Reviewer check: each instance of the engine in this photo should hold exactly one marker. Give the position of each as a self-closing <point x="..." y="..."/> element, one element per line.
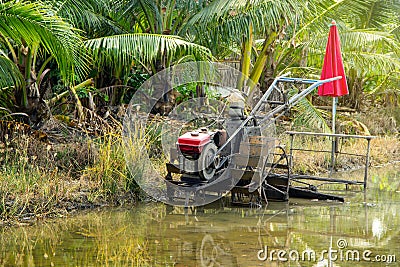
<point x="191" y="144"/>
<point x="203" y="153"/>
<point x="198" y="151"/>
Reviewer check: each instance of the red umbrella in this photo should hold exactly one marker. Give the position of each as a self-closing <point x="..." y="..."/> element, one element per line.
<point x="333" y="67"/>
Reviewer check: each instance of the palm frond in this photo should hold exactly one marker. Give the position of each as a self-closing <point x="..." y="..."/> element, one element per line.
<point x="145" y="12"/>
<point x="390" y="83"/>
<point x="123" y="50"/>
<point x="223" y="24"/>
<point x="10" y="76"/>
<point x="371" y="52"/>
<point x="321" y="12"/>
<point x="310" y="117"/>
<point x="91" y="16"/>
<point x="36" y="24"/>
<point x="374" y="63"/>
<point x="379" y="14"/>
<point x="231" y="18"/>
<point x="357" y="39"/>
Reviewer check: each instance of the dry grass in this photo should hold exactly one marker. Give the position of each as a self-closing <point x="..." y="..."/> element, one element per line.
<point x="38" y="179"/>
<point x="41" y="179"/>
<point x="383" y="150"/>
<point x="381" y="120"/>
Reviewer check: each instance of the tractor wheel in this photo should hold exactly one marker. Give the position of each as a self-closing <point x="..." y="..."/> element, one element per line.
<point x="206" y="162"/>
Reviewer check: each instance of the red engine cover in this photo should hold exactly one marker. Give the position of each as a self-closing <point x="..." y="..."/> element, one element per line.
<point x="193" y="142"/>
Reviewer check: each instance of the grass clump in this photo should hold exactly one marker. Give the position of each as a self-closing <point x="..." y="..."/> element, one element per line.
<point x="50" y="178"/>
<point x="29" y="184"/>
<point x="109" y="171"/>
<point x="39" y="179"/>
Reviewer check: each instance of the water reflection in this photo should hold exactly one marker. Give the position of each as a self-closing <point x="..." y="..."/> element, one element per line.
<point x="158" y="235"/>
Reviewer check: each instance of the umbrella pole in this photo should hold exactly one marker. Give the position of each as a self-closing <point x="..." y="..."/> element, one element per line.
<point x="333" y="152"/>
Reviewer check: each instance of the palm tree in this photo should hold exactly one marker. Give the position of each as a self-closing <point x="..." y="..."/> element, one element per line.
<point x="376" y="67"/>
<point x="31" y="35"/>
<point x="216" y="25"/>
<point x="123" y="35"/>
<point x="293" y="35"/>
<point x="235" y="24"/>
<point x="269" y="37"/>
<point x="370" y="54"/>
<point x="34" y="34"/>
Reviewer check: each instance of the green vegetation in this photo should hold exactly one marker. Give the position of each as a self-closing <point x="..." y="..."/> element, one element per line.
<point x="68" y="69"/>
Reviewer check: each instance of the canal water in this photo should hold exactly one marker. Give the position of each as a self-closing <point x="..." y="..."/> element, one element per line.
<point x="363" y="231"/>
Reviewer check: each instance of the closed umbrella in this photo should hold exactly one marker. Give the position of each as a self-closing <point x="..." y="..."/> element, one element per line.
<point x="333" y="67"/>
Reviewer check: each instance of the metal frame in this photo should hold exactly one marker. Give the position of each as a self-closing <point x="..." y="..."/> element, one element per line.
<point x="272" y="115"/>
<point x="343" y="136"/>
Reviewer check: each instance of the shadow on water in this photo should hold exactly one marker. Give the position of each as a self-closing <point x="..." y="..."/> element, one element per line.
<point x="153" y="234"/>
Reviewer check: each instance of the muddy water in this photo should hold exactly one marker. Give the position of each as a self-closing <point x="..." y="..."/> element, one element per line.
<point x="364" y="231"/>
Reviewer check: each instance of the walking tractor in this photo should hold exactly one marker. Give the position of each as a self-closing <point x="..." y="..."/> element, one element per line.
<point x="244" y="155"/>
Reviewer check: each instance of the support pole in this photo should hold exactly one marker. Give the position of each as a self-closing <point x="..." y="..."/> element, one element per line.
<point x="334" y="105"/>
<point x="291" y="150"/>
<point x="367" y="164"/>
